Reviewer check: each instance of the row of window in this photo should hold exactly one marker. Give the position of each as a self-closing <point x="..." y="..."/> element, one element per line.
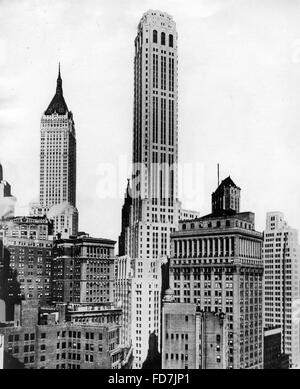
<point x="163" y="38"/>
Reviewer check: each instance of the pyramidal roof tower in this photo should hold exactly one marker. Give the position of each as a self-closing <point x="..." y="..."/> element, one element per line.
<point x="58" y="164"/>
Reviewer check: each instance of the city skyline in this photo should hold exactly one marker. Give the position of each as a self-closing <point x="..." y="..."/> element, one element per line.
<point x="101" y="138"/>
<point x="207" y="270"/>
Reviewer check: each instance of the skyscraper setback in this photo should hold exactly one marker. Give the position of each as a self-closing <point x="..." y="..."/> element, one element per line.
<point x="58" y="165"/>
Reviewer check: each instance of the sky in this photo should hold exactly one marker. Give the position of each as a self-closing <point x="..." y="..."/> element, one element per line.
<point x="239" y="99"/>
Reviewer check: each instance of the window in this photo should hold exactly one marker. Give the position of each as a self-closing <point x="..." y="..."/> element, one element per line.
<point x="43" y="335"/>
<point x="154" y="36"/>
<point x="163" y="38"/>
<point x="170" y="40"/>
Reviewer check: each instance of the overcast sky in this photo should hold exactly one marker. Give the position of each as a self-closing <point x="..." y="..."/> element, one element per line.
<point x="239" y="97"/>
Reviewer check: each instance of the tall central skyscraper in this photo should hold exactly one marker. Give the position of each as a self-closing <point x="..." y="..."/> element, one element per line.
<point x="155" y="140"/>
<point x="151" y="215"/>
<point x="58" y="165"/>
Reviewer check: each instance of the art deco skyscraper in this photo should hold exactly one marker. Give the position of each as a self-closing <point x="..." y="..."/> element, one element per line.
<point x="155" y="143"/>
<point x="154" y="207"/>
<point x="58" y="164"/>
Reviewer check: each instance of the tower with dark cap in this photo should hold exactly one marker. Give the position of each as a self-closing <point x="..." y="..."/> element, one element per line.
<point x="58" y="163"/>
<point x="226" y="198"/>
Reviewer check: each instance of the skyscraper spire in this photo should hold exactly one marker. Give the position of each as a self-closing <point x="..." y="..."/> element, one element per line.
<point x="58" y="104"/>
<point x="59" y="90"/>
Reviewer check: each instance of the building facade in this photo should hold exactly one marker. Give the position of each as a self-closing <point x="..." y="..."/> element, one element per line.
<point x="124" y="238"/>
<point x="1" y="351"/>
<point x="187" y="214"/>
<point x="273" y="357"/>
<point x="123" y="296"/>
<point x="83" y="270"/>
<point x="7" y="200"/>
<point x="191" y="338"/>
<point x="29" y="242"/>
<point x="281" y="255"/>
<point x="216" y="262"/>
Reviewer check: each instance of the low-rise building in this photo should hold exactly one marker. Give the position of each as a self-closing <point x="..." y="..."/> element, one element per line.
<point x="192" y="338"/>
<point x="51" y="342"/>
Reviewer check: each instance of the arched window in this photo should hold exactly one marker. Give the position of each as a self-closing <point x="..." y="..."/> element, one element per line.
<point x="154" y="36"/>
<point x="163" y="38"/>
<point x="170" y="40"/>
<point x="184" y="226"/>
<point x="192" y="226"/>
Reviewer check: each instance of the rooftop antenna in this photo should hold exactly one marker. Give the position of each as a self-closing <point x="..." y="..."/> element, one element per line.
<point x="218" y="174"/>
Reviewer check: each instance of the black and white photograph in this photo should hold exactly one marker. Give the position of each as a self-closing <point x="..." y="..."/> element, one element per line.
<point x="149" y="194"/>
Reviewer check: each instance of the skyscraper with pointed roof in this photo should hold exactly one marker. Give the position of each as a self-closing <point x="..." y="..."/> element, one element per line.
<point x="58" y="164"/>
